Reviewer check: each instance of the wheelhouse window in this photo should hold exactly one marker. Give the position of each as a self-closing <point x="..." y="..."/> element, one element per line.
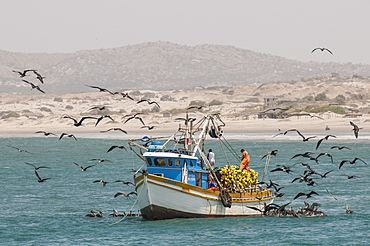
<point x="160" y="162"/>
<point x="149" y="161"/>
<point x="169" y="162"/>
<point x="177" y="162"/>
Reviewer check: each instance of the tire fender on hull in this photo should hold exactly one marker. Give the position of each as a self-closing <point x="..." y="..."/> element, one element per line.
<point x="225" y="198"/>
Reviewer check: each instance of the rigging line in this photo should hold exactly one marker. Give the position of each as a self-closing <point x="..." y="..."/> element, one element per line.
<point x="219" y="139"/>
<point x="223" y="150"/>
<point x="140" y="156"/>
<point x="132" y="159"/>
<point x="230" y="148"/>
<point x="137" y="198"/>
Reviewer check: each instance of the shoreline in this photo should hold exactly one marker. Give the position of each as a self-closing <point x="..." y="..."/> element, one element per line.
<point x="251" y="129"/>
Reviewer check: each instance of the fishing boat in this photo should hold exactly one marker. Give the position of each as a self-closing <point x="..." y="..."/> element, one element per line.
<point x="175" y="178"/>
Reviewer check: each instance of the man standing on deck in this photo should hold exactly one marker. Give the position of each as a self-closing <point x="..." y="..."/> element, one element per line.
<point x="211" y="157"/>
<point x="244" y="164"/>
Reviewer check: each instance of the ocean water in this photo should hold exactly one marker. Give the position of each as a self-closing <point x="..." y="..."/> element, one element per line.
<point x="53" y="212"/>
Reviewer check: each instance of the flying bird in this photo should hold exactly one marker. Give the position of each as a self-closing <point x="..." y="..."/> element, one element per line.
<point x="340" y="147"/>
<point x="324" y="175"/>
<point x="309" y="170"/>
<point x="280" y="133"/>
<point x="83" y="168"/>
<point x="36" y="168"/>
<point x="78" y="123"/>
<point x="130" y="115"/>
<point x="282" y="168"/>
<point x="306" y="154"/>
<point x="327" y="154"/>
<point x="102" y="117"/>
<point x="124" y="194"/>
<point x="194" y="106"/>
<point x="38" y="76"/>
<point x="309" y="181"/>
<point x="351" y="162"/>
<point x="331" y="195"/>
<point x="135" y="117"/>
<point x="324" y="138"/>
<point x="115" y="146"/>
<point x="115" y="129"/>
<point x="124" y="182"/>
<point x="46" y="133"/>
<point x="149" y="102"/>
<point x="68" y="135"/>
<point x="300" y="134"/>
<point x="40" y="180"/>
<point x="272" y="184"/>
<point x="100" y="160"/>
<point x="273" y="152"/>
<point x="351" y="176"/>
<point x="101" y="181"/>
<point x="101" y="89"/>
<point x="97" y="107"/>
<point x="355" y="129"/>
<point x="33" y="86"/>
<point x="124" y="95"/>
<point x="19" y="150"/>
<point x="308" y="195"/>
<point x="322" y="49"/>
<point x="23" y="74"/>
<point x="149" y="127"/>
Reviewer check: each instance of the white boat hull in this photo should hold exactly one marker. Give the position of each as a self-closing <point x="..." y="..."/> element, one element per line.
<point x="162" y="198"/>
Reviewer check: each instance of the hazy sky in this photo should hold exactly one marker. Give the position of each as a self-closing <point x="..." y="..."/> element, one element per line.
<point x="288" y="28"/>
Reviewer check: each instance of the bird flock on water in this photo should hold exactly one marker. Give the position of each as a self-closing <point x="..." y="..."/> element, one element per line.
<point x="310" y="176"/>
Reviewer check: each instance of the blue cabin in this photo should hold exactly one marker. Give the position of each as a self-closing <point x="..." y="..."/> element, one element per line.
<point x="177" y="164"/>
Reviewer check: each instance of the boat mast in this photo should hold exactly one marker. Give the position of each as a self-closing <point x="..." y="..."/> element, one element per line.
<point x="202" y="134"/>
<point x="186" y="131"/>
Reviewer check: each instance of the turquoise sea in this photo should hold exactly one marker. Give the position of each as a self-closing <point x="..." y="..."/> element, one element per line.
<point x="53" y="212"/>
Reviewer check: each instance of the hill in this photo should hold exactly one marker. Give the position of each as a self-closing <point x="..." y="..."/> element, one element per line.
<point x="160" y="66"/>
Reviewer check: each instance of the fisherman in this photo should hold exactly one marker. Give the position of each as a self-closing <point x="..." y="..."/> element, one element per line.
<point x="211" y="185"/>
<point x="211" y="157"/>
<point x="244" y="164"/>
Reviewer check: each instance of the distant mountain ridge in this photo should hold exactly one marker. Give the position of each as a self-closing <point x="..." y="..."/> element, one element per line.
<point x="159" y="66"/>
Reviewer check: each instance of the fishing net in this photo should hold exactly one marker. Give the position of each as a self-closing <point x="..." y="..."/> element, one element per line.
<point x="235" y="181"/>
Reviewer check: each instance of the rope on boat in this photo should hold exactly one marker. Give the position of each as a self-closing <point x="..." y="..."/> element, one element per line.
<point x="126" y="214"/>
<point x="230" y="148"/>
<point x="223" y="150"/>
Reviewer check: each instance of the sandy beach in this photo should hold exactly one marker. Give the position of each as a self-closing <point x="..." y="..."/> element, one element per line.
<point x="26" y="114"/>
